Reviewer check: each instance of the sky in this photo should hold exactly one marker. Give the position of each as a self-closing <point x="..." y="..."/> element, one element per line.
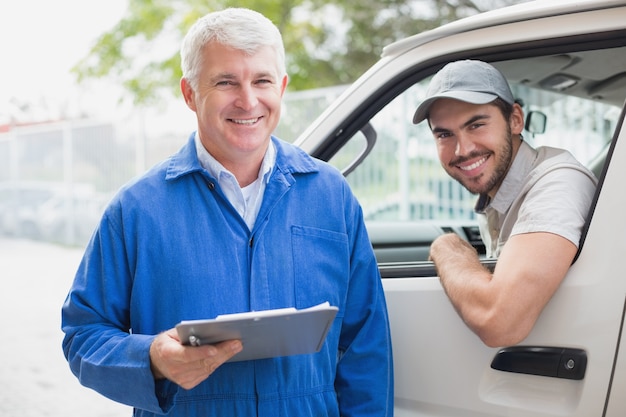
<point x="40" y="41"/>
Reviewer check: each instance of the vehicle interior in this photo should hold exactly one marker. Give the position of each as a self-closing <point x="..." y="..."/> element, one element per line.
<point x="572" y="97"/>
<point x="575" y="74"/>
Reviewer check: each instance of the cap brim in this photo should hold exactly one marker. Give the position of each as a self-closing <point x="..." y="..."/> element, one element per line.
<point x="473" y="97"/>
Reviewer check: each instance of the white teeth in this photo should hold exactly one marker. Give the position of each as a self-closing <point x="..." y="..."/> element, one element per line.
<point x="245" y="122"/>
<point x="474" y="165"/>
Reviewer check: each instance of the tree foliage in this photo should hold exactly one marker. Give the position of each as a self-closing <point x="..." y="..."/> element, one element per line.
<point x="326" y="43"/>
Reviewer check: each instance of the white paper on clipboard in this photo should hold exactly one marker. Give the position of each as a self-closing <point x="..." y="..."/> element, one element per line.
<point x="264" y="334"/>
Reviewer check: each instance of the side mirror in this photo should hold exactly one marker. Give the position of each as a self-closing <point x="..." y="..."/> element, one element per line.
<point x="536" y="122"/>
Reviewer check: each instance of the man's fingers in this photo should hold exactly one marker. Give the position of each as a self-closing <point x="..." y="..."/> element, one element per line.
<point x="188" y="365"/>
<point x="219" y="352"/>
<point x="228" y="348"/>
<point x="210" y="357"/>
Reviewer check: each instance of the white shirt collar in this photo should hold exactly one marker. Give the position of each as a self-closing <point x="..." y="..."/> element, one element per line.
<point x="216" y="169"/>
<point x="246" y="201"/>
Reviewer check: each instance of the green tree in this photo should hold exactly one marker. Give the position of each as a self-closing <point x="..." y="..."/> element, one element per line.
<point x="326" y="44"/>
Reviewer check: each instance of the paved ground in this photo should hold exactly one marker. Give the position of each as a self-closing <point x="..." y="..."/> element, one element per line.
<point x="35" y="380"/>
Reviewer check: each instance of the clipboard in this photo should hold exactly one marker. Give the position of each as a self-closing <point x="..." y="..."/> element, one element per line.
<point x="266" y="333"/>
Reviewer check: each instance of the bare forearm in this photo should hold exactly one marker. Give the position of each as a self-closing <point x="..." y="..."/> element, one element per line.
<point x="465" y="281"/>
<point x="454" y="257"/>
<point x="502" y="308"/>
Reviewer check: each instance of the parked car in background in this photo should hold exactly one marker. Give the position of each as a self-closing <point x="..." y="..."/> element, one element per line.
<point x="566" y="62"/>
<point x="70" y="219"/>
<point x="50" y="211"/>
<point x="19" y="200"/>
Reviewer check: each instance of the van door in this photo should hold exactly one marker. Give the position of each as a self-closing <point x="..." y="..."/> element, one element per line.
<point x="569" y="364"/>
<point x="564" y="367"/>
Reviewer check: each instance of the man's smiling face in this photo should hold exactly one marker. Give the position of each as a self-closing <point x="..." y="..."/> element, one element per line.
<point x="475" y="142"/>
<point x="237" y="102"/>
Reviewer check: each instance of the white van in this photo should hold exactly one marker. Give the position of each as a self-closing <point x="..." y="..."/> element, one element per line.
<point x="566" y="62"/>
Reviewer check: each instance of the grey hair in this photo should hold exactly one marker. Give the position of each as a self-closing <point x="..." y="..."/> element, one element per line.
<point x="237" y="28"/>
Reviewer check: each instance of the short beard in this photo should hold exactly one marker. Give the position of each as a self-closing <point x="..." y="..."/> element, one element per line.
<point x="502" y="166"/>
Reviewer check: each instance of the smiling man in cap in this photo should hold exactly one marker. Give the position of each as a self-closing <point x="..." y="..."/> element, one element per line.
<point x="532" y="203"/>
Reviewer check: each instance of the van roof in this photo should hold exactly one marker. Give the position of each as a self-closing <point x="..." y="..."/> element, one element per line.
<point x="511" y="14"/>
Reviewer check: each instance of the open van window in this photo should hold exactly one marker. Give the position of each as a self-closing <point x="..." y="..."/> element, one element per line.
<point x="400" y="182"/>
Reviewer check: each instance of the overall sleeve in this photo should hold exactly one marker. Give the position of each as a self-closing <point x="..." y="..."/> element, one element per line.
<point x="364" y="382"/>
<point x="99" y="344"/>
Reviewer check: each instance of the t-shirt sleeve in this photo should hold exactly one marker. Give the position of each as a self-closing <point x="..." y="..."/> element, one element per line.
<point x="557" y="203"/>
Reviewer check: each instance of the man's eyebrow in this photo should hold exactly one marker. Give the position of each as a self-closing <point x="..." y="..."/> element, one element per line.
<point x="266" y="74"/>
<point x="476" y="118"/>
<point x="469" y="122"/>
<point x="231" y="76"/>
<point x="439" y="130"/>
<point x="223" y="76"/>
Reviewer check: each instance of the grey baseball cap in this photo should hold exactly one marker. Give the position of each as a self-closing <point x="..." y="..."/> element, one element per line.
<point x="468" y="80"/>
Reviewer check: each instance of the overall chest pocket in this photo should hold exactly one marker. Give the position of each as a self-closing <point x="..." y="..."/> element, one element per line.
<point x="321" y="266"/>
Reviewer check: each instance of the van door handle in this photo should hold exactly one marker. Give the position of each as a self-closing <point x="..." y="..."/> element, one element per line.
<point x="553" y="362"/>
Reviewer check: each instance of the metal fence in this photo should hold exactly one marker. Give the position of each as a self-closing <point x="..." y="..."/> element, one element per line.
<point x="56" y="178"/>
